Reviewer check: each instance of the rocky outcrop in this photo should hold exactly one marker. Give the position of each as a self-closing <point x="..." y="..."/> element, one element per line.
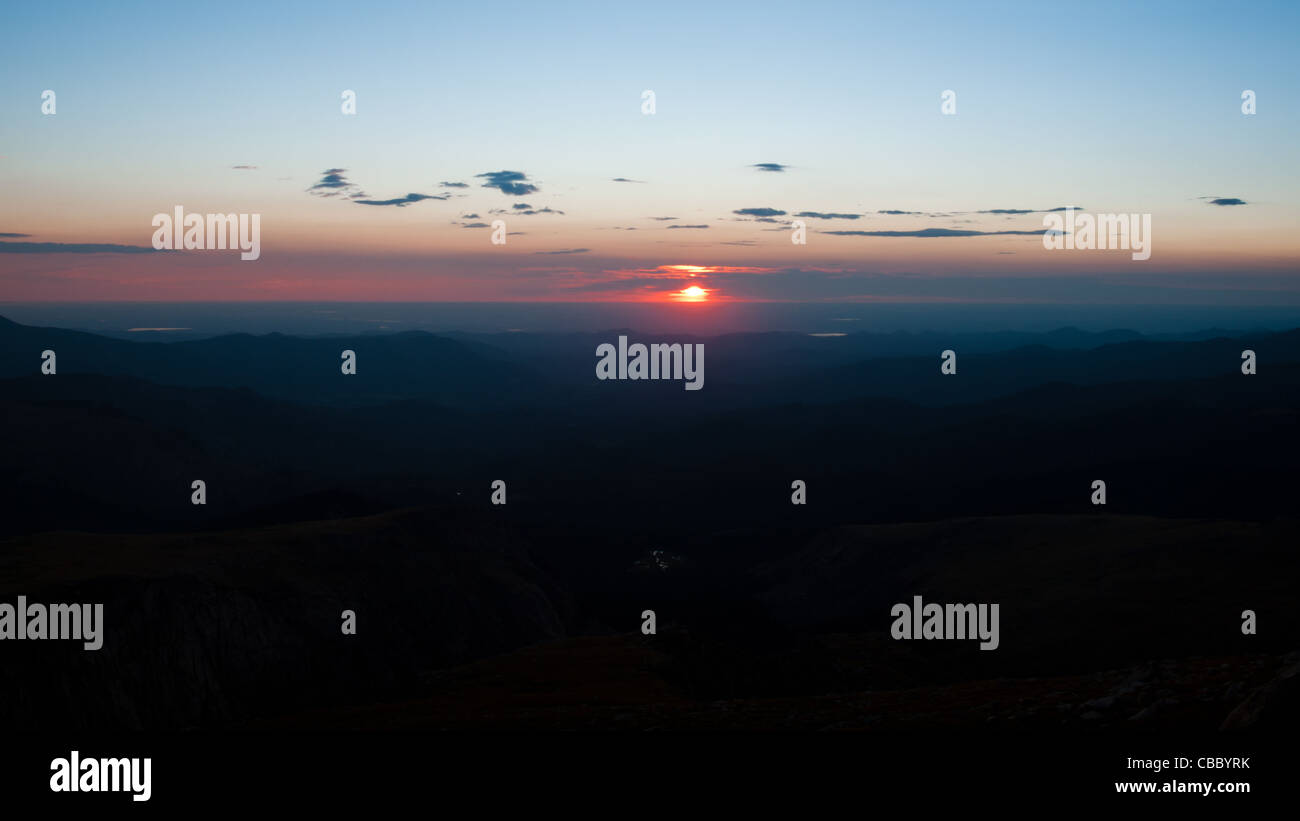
<point x="1273" y="707"/>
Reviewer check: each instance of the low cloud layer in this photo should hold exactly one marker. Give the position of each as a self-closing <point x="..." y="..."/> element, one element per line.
<point x="74" y="248"/>
<point x="933" y="232"/>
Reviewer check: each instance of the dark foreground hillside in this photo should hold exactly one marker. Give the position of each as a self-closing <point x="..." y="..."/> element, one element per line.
<point x="463" y="622"/>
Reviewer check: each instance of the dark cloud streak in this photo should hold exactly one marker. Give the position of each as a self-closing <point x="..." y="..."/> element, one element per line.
<point x="933" y="232"/>
<point x="401" y="202"/>
<point x="825" y="215"/>
<point x="75" y="248"/>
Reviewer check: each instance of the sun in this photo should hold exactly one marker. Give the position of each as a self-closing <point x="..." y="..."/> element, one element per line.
<point x="692" y="293"/>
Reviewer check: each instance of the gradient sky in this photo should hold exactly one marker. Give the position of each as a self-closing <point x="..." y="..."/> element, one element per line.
<point x="1113" y="107"/>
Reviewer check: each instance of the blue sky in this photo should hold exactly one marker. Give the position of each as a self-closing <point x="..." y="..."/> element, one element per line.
<point x="1109" y="106"/>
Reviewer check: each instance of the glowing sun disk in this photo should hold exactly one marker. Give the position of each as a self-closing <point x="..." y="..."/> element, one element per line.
<point x="691" y="293"/>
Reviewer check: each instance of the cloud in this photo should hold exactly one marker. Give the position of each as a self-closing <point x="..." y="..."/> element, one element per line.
<point x="333" y="183"/>
<point x="996" y="211"/>
<point x="244" y="167"/>
<point x="401" y="202"/>
<point x="1000" y="211"/>
<point x="1224" y="201"/>
<point x="820" y="215"/>
<point x="514" y="183"/>
<point x="686" y="226"/>
<point x="73" y="248"/>
<point x="470" y="216"/>
<point x="769" y="166"/>
<point x="625" y="179"/>
<point x="662" y="278"/>
<point x="474" y="225"/>
<point x="663" y="219"/>
<point x="564" y="251"/>
<point x="759" y="212"/>
<point x="14" y="235"/>
<point x="523" y="209"/>
<point x="933" y="232"/>
<point x="454" y="184"/>
<point x="1018" y="211"/>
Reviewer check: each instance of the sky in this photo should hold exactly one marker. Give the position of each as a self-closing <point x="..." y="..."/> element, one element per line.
<point x="534" y="114"/>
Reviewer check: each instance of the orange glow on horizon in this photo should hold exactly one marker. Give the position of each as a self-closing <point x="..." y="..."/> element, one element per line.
<point x="691" y="293"/>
